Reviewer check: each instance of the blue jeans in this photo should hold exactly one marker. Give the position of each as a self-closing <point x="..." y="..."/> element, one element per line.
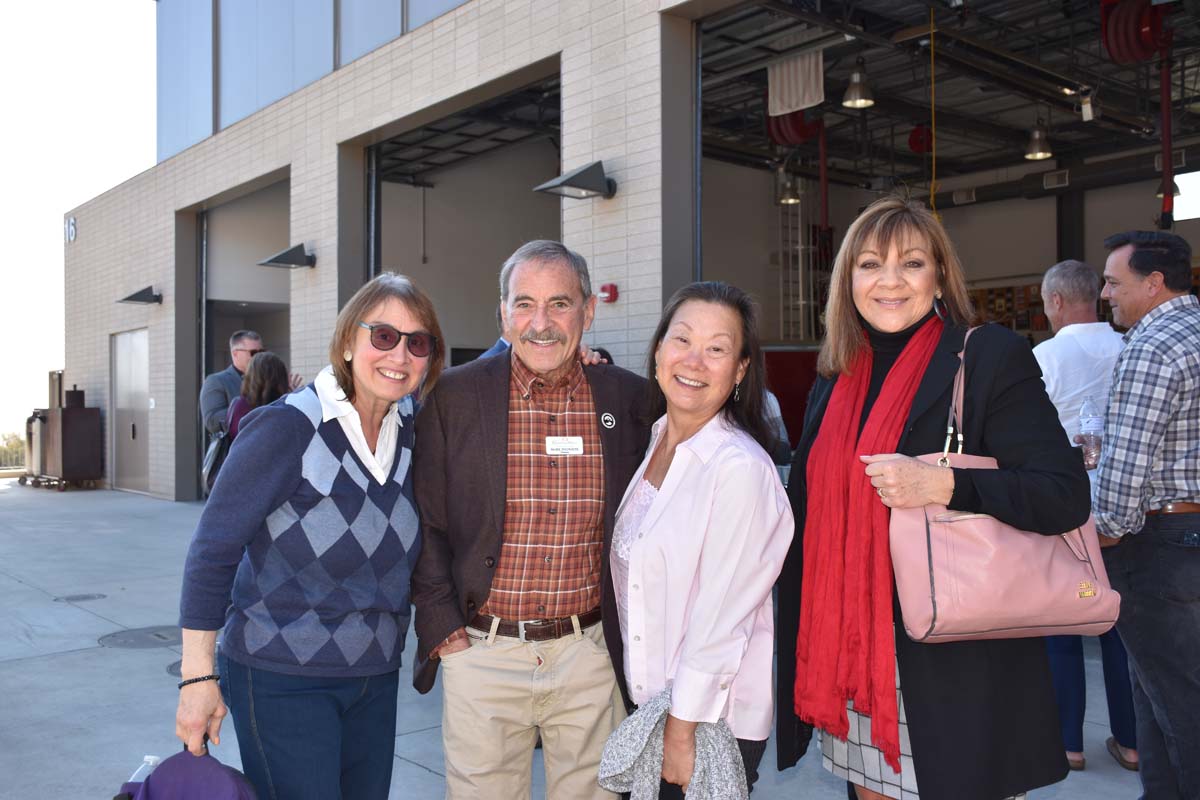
<point x="1157" y="572"/>
<point x="1070" y="688"/>
<point x="305" y="738"/>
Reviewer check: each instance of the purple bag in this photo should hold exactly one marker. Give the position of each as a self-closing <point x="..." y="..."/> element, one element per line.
<point x="184" y="776"/>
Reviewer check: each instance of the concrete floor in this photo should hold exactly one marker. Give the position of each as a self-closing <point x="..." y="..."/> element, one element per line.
<point x="80" y="716"/>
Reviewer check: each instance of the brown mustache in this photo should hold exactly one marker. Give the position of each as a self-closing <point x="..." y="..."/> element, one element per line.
<point x="544" y="336"/>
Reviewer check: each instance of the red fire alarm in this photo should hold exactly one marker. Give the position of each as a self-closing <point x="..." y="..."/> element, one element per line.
<point x="608" y="293"/>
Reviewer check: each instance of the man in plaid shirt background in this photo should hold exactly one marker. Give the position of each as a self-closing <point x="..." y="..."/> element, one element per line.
<point x="1147" y="500"/>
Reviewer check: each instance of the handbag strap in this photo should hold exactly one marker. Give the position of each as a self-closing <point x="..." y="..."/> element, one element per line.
<point x="954" y="417"/>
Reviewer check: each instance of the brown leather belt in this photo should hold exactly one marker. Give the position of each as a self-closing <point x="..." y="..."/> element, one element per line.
<point x="1176" y="508"/>
<point x="535" y="630"/>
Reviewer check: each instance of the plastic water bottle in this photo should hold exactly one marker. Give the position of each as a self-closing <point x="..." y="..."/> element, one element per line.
<point x="141" y="773"/>
<point x="1091" y="431"/>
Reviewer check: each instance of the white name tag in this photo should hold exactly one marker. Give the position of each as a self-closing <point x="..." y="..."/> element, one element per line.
<point x="564" y="445"/>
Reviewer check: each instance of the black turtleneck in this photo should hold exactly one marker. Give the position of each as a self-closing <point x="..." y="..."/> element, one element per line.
<point x="886" y="348"/>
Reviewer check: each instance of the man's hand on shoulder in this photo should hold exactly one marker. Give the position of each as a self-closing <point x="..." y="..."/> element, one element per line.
<point x="590" y="357"/>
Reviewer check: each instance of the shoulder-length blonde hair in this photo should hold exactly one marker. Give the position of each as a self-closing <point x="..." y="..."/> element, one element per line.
<point x="375" y="292"/>
<point x="887" y="221"/>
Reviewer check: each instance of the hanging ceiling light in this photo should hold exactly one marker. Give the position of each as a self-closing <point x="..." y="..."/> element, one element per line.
<point x="788" y="196"/>
<point x="1174" y="190"/>
<point x="1038" y="147"/>
<point x="858" y="93"/>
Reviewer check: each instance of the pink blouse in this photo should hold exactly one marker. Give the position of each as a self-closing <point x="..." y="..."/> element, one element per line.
<point x="698" y="577"/>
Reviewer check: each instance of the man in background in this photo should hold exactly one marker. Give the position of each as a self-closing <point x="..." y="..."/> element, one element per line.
<point x="219" y="389"/>
<point x="1078" y="363"/>
<point x="1147" y="499"/>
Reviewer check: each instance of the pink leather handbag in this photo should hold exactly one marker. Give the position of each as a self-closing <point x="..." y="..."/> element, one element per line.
<point x="970" y="576"/>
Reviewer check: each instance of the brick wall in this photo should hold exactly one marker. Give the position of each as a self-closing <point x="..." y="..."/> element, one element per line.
<point x="609" y="52"/>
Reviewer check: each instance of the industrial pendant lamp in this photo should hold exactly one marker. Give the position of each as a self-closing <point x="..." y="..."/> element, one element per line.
<point x="858" y="93"/>
<point x="1038" y="147"/>
<point x="1174" y="190"/>
<point x="788" y="196"/>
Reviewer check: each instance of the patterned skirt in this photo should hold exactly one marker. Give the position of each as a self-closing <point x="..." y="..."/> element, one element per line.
<point x="860" y="762"/>
<point x="857" y="760"/>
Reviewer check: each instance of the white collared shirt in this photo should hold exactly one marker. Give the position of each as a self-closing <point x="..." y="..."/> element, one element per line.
<point x="334" y="405"/>
<point x="697" y="583"/>
<point x="1076" y="363"/>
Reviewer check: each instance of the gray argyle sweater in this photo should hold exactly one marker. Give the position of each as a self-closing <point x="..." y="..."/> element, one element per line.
<point x="315" y="555"/>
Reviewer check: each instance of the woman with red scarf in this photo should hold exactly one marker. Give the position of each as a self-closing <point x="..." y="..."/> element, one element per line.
<point x="899" y="719"/>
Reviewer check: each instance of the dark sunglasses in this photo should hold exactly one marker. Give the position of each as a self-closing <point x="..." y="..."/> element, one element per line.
<point x="386" y="337"/>
<point x="252" y="353"/>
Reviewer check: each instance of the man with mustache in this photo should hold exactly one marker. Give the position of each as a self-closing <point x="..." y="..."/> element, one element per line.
<point x="521" y="462"/>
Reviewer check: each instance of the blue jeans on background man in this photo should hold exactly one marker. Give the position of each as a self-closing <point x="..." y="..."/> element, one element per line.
<point x="1070" y="688"/>
<point x="1157" y="572"/>
<point x="309" y="738"/>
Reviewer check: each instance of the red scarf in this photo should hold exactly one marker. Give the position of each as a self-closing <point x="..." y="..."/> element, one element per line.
<point x="846" y="646"/>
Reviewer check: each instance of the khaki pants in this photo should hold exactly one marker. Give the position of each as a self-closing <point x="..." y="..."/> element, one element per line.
<point x="498" y="694"/>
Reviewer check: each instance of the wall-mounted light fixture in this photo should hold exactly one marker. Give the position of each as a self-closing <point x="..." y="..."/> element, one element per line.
<point x="292" y="258"/>
<point x="587" y="181"/>
<point x="143" y="297"/>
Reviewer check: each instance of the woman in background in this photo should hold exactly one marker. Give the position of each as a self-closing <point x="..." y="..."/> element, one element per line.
<point x="265" y="381"/>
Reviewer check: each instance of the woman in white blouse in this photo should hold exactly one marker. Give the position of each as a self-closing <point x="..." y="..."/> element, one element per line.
<point x="702" y="532"/>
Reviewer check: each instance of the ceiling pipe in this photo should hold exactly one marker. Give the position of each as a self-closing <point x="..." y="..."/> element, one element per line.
<point x="1047" y="183"/>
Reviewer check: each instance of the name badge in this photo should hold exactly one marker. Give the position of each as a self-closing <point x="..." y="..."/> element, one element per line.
<point x="564" y="445"/>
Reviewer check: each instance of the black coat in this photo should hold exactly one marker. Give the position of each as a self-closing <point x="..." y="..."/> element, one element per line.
<point x="982" y="716"/>
<point x="460" y="479"/>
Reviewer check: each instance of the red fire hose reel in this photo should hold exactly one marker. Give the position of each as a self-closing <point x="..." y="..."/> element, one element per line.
<point x="1132" y="30"/>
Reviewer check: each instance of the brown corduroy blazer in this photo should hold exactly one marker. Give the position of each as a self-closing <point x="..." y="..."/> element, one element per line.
<point x="460" y="474"/>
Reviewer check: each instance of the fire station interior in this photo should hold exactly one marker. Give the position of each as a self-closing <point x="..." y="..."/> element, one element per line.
<point x="454" y="198"/>
<point x="1034" y="129"/>
<point x="240" y="294"/>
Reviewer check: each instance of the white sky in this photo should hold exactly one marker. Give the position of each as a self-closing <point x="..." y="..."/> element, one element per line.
<point x="77" y="103"/>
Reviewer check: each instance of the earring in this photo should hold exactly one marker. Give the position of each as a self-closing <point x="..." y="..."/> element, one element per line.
<point x="347" y="355"/>
<point x="737" y="394"/>
<point x="938" y="294"/>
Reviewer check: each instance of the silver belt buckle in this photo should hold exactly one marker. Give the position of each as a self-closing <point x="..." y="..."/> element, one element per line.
<point x="521" y="623"/>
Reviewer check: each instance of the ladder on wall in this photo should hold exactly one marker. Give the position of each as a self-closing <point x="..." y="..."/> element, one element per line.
<point x="799" y="295"/>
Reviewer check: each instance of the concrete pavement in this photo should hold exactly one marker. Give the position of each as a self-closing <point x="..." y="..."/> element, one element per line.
<point x="81" y="565"/>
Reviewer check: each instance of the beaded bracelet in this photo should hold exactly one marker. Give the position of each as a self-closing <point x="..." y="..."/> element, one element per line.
<point x="201" y="679"/>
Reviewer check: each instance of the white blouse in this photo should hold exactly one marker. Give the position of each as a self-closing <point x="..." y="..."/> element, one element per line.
<point x="625" y="533"/>
<point x="700" y="571"/>
<point x="334" y="405"/>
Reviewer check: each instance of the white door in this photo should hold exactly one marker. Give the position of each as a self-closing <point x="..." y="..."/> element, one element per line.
<point x="131" y="410"/>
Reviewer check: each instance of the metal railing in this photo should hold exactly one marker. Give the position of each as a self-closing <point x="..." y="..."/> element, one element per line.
<point x="12" y="458"/>
<point x="11" y="461"/>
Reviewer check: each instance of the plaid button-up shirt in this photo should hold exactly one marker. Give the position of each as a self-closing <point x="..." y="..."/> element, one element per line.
<point x="549" y="562"/>
<point x="1151" y="447"/>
